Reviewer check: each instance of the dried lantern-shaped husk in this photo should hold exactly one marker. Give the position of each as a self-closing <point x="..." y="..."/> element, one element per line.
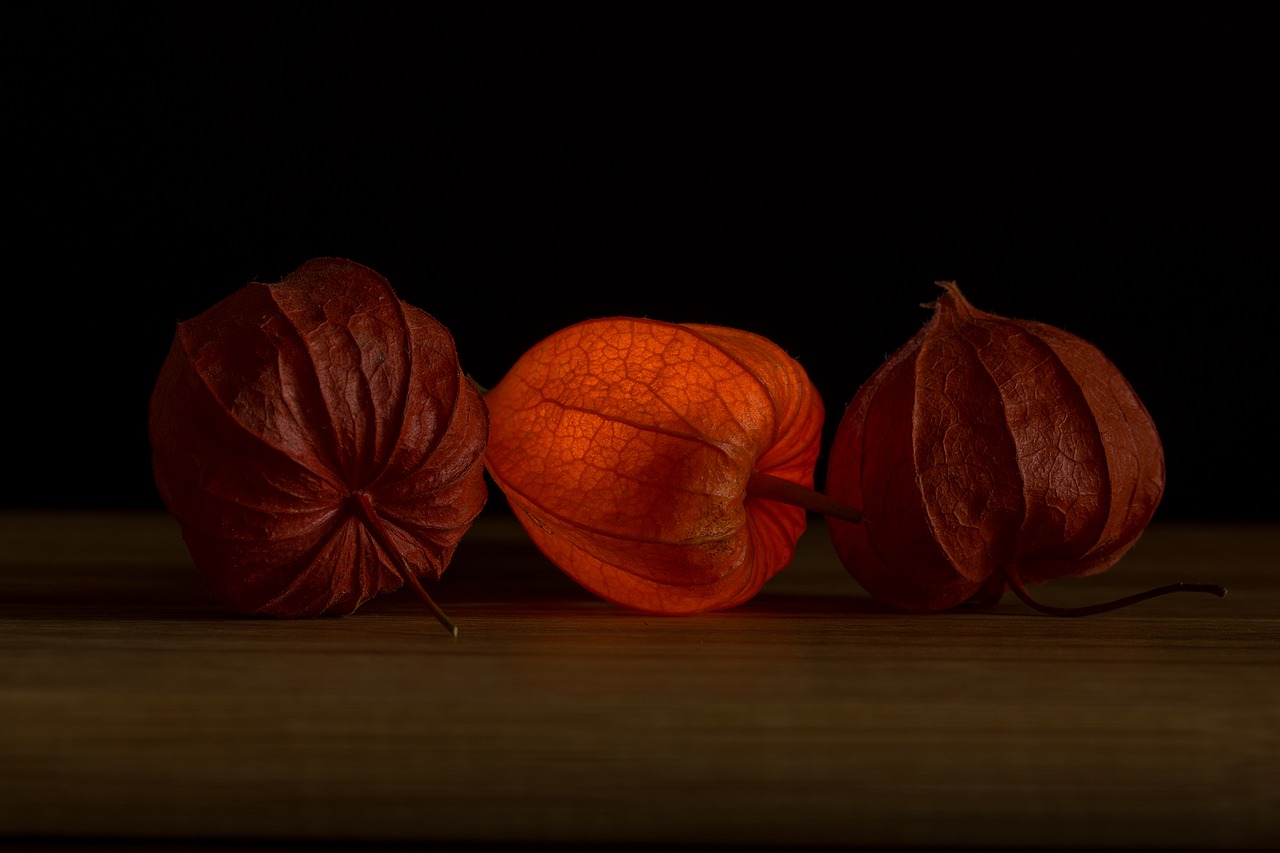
<point x="318" y="443"/>
<point x="989" y="452"/>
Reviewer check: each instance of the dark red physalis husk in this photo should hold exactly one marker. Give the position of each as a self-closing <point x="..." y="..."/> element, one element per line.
<point x="318" y="443"/>
<point x="989" y="452"/>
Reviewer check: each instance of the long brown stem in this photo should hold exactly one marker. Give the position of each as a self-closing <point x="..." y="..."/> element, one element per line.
<point x="770" y="488"/>
<point x="381" y="534"/>
<point x="1015" y="583"/>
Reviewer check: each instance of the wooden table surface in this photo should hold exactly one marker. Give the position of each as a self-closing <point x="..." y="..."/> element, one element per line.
<point x="133" y="708"/>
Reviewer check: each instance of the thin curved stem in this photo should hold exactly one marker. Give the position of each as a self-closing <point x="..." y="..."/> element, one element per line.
<point x="1015" y="583"/>
<point x="380" y="533"/>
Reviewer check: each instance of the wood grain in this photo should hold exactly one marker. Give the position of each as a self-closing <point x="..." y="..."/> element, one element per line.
<point x="133" y="707"/>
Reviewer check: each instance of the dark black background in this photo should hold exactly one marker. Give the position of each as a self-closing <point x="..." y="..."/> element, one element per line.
<point x="805" y="178"/>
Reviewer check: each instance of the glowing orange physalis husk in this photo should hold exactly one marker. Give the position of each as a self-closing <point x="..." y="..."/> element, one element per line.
<point x="628" y="447"/>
